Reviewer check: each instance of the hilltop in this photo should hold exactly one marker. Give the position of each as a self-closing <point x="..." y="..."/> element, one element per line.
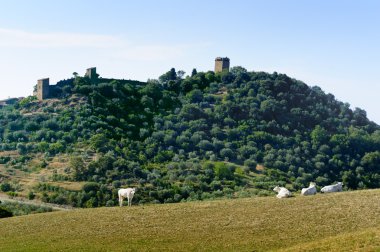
<point x="348" y="221"/>
<point x="181" y="138"/>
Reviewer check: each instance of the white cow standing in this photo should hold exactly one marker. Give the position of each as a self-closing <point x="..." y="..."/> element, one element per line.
<point x="126" y="193"/>
<point x="311" y="190"/>
<point x="332" y="188"/>
<point x="282" y="192"/>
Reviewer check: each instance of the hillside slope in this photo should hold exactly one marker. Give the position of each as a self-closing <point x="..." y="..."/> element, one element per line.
<point x="184" y="138"/>
<point x="347" y="221"/>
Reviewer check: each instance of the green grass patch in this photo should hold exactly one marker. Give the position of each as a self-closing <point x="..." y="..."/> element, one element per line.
<point x="334" y="222"/>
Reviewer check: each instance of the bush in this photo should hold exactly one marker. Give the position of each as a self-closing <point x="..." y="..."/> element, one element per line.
<point x="12" y="194"/>
<point x="90" y="186"/>
<point x="4" y="213"/>
<point x="31" y="196"/>
<point x="5" y="187"/>
<point x="18" y="209"/>
<point x="222" y="171"/>
<point x="251" y="164"/>
<point x="110" y="203"/>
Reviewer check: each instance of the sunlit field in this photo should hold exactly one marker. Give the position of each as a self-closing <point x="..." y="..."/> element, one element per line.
<point x="341" y="221"/>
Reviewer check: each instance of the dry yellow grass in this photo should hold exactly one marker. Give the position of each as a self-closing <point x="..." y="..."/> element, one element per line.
<point x="336" y="222"/>
<point x="69" y="185"/>
<point x="260" y="168"/>
<point x="9" y="153"/>
<point x="363" y="240"/>
<point x="34" y="175"/>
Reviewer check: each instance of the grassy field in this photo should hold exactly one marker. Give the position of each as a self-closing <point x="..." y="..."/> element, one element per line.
<point x="348" y="221"/>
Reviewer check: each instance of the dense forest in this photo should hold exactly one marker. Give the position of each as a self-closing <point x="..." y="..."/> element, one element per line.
<point x="230" y="134"/>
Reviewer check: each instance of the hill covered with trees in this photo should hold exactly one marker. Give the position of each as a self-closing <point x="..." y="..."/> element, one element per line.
<point x="231" y="134"/>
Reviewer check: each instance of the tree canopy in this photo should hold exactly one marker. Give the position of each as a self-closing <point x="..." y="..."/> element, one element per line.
<point x="191" y="137"/>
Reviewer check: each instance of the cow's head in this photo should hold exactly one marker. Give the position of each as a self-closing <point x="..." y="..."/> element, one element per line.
<point x="276" y="189"/>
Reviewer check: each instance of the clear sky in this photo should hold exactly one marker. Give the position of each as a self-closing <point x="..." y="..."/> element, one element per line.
<point x="334" y="44"/>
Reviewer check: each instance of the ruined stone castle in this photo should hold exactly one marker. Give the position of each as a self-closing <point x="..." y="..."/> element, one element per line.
<point x="45" y="90"/>
<point x="222" y="64"/>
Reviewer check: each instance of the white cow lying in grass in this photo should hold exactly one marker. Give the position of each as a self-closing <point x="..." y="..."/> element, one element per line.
<point x="332" y="188"/>
<point x="282" y="192"/>
<point x="311" y="190"/>
<point x="126" y="193"/>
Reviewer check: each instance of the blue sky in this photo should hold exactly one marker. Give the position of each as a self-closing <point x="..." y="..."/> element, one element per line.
<point x="334" y="44"/>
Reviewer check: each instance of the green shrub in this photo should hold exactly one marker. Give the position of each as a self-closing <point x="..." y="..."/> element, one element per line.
<point x="4" y="213"/>
<point x="31" y="196"/>
<point x="251" y="164"/>
<point x="90" y="186"/>
<point x="12" y="194"/>
<point x="17" y="208"/>
<point x="5" y="187"/>
<point x="222" y="171"/>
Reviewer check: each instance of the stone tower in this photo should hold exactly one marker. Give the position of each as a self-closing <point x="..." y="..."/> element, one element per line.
<point x="222" y="64"/>
<point x="91" y="73"/>
<point x="43" y="89"/>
